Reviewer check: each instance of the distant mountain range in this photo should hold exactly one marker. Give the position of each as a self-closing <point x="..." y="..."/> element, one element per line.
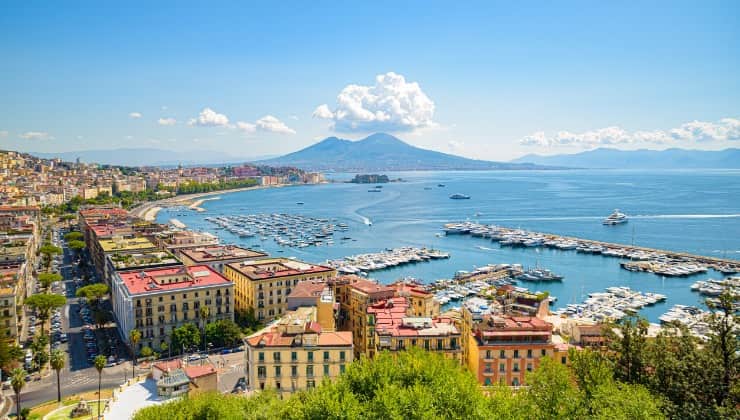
<point x="641" y="159"/>
<point x="149" y="157"/>
<point x="380" y="152"/>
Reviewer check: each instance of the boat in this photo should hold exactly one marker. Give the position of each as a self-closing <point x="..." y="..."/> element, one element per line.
<point x="440" y="185"/>
<point x="300" y="203"/>
<point x="615" y="218"/>
<point x="374" y="190"/>
<point x="460" y="197"/>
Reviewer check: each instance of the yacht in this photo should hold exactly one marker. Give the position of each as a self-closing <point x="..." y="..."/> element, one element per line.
<point x="615" y="218"/>
<point x="460" y="197"/>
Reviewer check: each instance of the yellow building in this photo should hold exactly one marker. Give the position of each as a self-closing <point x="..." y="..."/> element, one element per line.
<point x="296" y="354"/>
<point x="11" y="297"/>
<point x="156" y="301"/>
<point x="421" y="302"/>
<point x="217" y="256"/>
<point x="264" y="285"/>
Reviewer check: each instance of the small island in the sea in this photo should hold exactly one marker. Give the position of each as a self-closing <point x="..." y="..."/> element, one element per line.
<point x="370" y="179"/>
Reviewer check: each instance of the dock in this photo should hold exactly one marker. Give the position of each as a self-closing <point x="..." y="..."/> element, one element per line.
<point x="178" y="224"/>
<point x="658" y="261"/>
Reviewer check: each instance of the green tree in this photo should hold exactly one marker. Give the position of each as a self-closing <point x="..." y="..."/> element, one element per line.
<point x="134" y="336"/>
<point x="223" y="333"/>
<point x="73" y="236"/>
<point x="99" y="363"/>
<point x="724" y="342"/>
<point x="18" y="381"/>
<point x="163" y="347"/>
<point x="43" y="305"/>
<point x="628" y="343"/>
<point x="551" y="392"/>
<point x="204" y="312"/>
<point x="48" y="250"/>
<point x="185" y="337"/>
<point x="46" y="279"/>
<point x="57" y="361"/>
<point x="93" y="293"/>
<point x="76" y="246"/>
<point x="146" y="351"/>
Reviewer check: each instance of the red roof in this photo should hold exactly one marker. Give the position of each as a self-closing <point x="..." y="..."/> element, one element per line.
<point x="169" y="365"/>
<point x="370" y="287"/>
<point x="198" y="371"/>
<point x="140" y="282"/>
<point x="307" y="289"/>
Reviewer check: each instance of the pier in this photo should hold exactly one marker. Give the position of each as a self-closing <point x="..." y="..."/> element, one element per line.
<point x="658" y="261"/>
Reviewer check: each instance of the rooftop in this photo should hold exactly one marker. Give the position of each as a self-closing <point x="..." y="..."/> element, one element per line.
<point x="139" y="260"/>
<point x="299" y="328"/>
<point x="171" y="278"/>
<point x="370" y="287"/>
<point x="197" y="371"/>
<point x="391" y="319"/>
<point x="213" y="253"/>
<point x="121" y="244"/>
<point x="307" y="289"/>
<point x="277" y="268"/>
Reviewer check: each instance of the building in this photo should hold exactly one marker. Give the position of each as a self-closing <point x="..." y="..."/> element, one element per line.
<point x="264" y="285"/>
<point x="175" y="241"/>
<point x="11" y="297"/>
<point x="356" y="294"/>
<point x="156" y="301"/>
<point x="296" y="353"/>
<point x="120" y="247"/>
<point x="502" y="348"/>
<point x="421" y="302"/>
<point x="316" y="294"/>
<point x="174" y="378"/>
<point x="216" y="256"/>
<point x="389" y="328"/>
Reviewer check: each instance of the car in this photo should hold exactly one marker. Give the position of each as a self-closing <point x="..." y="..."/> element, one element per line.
<point x="194" y="357"/>
<point x="63" y="337"/>
<point x="225" y="351"/>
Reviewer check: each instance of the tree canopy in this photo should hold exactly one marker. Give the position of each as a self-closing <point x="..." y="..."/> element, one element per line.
<point x="46" y="279"/>
<point x="76" y="245"/>
<point x="185" y="337"/>
<point x="93" y="292"/>
<point x="223" y="333"/>
<point x="73" y="236"/>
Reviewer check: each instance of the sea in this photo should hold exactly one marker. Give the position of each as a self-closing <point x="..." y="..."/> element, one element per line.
<point x="695" y="211"/>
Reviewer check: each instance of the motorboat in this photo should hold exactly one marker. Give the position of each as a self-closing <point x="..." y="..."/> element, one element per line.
<point x="615" y="218"/>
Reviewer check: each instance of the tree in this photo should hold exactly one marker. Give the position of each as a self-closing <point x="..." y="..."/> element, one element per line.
<point x="73" y="236"/>
<point x="246" y="320"/>
<point x="185" y="337"/>
<point x="100" y="362"/>
<point x="10" y="354"/>
<point x="551" y="392"/>
<point x="163" y="347"/>
<point x="723" y="327"/>
<point x="18" y="381"/>
<point x="46" y="279"/>
<point x="629" y="346"/>
<point x="47" y="250"/>
<point x="38" y="347"/>
<point x="93" y="293"/>
<point x="223" y="333"/>
<point x="204" y="313"/>
<point x="134" y="337"/>
<point x="57" y="363"/>
<point x="146" y="351"/>
<point x="76" y="246"/>
<point x="44" y="304"/>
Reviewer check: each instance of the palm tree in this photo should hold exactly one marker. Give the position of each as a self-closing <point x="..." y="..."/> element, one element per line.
<point x="57" y="363"/>
<point x="204" y="312"/>
<point x="100" y="362"/>
<point x="18" y="381"/>
<point x="134" y="337"/>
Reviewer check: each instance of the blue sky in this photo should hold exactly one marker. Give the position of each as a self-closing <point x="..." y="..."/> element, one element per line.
<point x="493" y="80"/>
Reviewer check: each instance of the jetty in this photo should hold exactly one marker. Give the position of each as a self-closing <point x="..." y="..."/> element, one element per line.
<point x="658" y="261"/>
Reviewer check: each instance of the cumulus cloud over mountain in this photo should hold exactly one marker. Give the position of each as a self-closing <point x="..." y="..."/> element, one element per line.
<point x="391" y="104"/>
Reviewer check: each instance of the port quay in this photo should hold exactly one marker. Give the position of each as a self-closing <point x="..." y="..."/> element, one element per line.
<point x="657" y="261"/>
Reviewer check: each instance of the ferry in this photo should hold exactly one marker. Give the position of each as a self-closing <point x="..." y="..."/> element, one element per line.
<point x="615" y="218"/>
<point x="460" y="197"/>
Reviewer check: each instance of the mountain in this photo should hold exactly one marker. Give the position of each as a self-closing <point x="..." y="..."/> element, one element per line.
<point x="379" y="152"/>
<point x="148" y="157"/>
<point x="642" y="159"/>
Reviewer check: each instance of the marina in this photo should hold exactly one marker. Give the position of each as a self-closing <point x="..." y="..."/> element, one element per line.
<point x="660" y="262"/>
<point x="364" y="263"/>
<point x="693" y="318"/>
<point x="285" y="229"/>
<point x="614" y="304"/>
<point x="713" y="287"/>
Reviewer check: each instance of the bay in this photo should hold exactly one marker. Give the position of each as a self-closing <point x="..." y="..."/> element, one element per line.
<point x="693" y="211"/>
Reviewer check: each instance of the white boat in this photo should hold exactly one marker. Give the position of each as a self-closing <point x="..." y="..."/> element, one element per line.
<point x="615" y="218"/>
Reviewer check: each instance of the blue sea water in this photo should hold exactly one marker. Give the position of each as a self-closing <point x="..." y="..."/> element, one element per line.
<point x="691" y="211"/>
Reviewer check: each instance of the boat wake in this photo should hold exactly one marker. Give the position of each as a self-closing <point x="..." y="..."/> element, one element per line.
<point x="485" y="248"/>
<point x="366" y="220"/>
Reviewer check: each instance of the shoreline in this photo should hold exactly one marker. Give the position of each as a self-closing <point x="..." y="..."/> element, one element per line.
<point x="149" y="210"/>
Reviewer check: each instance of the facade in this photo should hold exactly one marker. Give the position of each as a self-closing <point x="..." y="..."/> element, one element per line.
<point x="502" y="348"/>
<point x="175" y="241"/>
<point x="296" y="353"/>
<point x="264" y="285"/>
<point x="120" y="247"/>
<point x="216" y="256"/>
<point x="356" y="295"/>
<point x="390" y="328"/>
<point x="421" y="302"/>
<point x="156" y="301"/>
<point x="11" y="297"/>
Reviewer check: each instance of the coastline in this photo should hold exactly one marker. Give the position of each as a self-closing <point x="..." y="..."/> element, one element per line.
<point x="149" y="210"/>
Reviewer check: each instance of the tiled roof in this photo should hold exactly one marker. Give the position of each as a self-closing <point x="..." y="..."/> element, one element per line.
<point x="198" y="371"/>
<point x="276" y="268"/>
<point x="140" y="282"/>
<point x="211" y="253"/>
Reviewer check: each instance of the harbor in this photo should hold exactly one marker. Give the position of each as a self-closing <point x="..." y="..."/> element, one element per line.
<point x="362" y="264"/>
<point x="612" y="305"/>
<point x="656" y="261"/>
<point x="291" y="230"/>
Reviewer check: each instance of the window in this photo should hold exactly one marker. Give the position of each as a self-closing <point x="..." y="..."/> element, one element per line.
<point x="309" y="370"/>
<point x="310" y="384"/>
<point x="488" y="382"/>
<point x="515" y="382"/>
<point x="529" y="367"/>
<point x="278" y="373"/>
<point x="516" y="354"/>
<point x="488" y="354"/>
<point x="261" y="356"/>
<point x="341" y="369"/>
<point x="341" y="356"/>
<point x="294" y="371"/>
<point x="310" y="356"/>
<point x="261" y="371"/>
<point x="277" y="385"/>
<point x="529" y="354"/>
<point x="293" y="356"/>
<point x="426" y="344"/>
<point x="516" y="367"/>
<point x="326" y="370"/>
<point x="562" y="360"/>
<point x="544" y="353"/>
<point x="276" y="356"/>
<point x="502" y="367"/>
<point x="326" y="355"/>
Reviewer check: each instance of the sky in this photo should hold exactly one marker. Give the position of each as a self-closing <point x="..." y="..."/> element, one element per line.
<point x="489" y="80"/>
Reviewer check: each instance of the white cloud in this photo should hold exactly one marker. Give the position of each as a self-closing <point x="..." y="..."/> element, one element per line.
<point x="726" y="129"/>
<point x="273" y="125"/>
<point x="246" y="127"/>
<point x="210" y="118"/>
<point x="392" y="104"/>
<point x="135" y="115"/>
<point x="36" y="135"/>
<point x="167" y="121"/>
<point x="3" y="134"/>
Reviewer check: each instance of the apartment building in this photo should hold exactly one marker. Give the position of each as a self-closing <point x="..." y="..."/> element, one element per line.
<point x="265" y="284"/>
<point x="216" y="256"/>
<point x="156" y="301"/>
<point x="296" y="353"/>
<point x="421" y="302"/>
